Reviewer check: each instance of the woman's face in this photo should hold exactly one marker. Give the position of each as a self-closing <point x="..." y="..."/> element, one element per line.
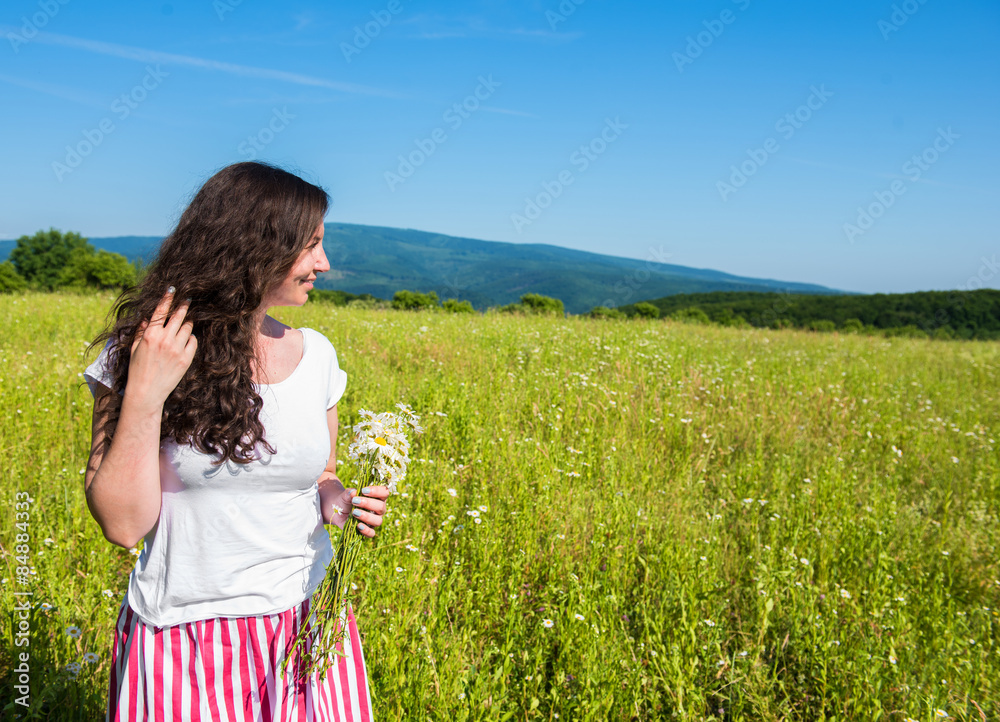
<point x="311" y="262"/>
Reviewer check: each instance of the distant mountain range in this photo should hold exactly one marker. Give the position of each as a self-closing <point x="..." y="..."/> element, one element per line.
<point x="381" y="261"/>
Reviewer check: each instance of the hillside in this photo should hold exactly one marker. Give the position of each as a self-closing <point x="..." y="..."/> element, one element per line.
<point x="381" y="261"/>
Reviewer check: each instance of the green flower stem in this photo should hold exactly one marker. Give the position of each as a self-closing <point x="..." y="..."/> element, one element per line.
<point x="331" y="598"/>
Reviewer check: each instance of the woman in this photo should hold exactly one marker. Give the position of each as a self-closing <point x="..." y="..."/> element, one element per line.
<point x="214" y="440"/>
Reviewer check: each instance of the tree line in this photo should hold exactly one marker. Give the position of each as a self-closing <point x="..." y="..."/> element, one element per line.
<point x="51" y="260"/>
<point x="934" y="314"/>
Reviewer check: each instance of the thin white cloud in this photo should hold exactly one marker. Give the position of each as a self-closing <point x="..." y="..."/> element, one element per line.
<point x="508" y="112"/>
<point x="438" y="27"/>
<point x="302" y="20"/>
<point x="57" y="91"/>
<point x="143" y="55"/>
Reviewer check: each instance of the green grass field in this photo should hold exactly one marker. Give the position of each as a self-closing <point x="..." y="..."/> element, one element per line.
<point x="718" y="523"/>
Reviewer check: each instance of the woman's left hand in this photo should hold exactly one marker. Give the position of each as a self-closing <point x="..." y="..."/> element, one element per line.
<point x="368" y="507"/>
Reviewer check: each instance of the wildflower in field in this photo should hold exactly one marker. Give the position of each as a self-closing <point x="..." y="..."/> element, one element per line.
<point x="892" y="660"/>
<point x="572" y="473"/>
<point x="708" y="622"/>
<point x="845" y="594"/>
<point x="382" y="451"/>
<point x="73" y="668"/>
<point x="74" y="632"/>
<point x="940" y="714"/>
<point x="452" y="492"/>
<point x="954" y="459"/>
<point x="579" y="617"/>
<point x="134" y="552"/>
<point x="483" y="508"/>
<point x="548" y="623"/>
<point x="560" y="536"/>
<point x="748" y="501"/>
<point x="90" y="658"/>
<point x="45" y="607"/>
<point x="461" y="695"/>
<point x="108" y="593"/>
<point x="804" y="561"/>
<point x="946" y="553"/>
<point x="49" y="542"/>
<point x="472" y="512"/>
<point x="478" y="520"/>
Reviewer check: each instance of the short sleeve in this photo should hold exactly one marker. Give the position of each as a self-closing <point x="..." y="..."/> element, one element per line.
<point x="335" y="377"/>
<point x="337" y="380"/>
<point x="98" y="371"/>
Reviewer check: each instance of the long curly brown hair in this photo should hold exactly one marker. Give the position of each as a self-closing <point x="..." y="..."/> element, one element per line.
<point x="236" y="241"/>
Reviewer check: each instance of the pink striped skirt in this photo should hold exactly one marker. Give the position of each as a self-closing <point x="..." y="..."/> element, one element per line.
<point x="227" y="668"/>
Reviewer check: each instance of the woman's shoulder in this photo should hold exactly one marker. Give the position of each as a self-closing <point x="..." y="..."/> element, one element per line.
<point x="318" y="339"/>
<point x="314" y="334"/>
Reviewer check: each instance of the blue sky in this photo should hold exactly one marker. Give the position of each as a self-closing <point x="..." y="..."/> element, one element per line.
<point x="851" y="144"/>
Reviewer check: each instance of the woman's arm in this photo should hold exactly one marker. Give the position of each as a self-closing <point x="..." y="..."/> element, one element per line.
<point x="336" y="502"/>
<point x="122" y="481"/>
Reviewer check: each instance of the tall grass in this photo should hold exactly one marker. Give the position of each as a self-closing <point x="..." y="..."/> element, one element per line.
<point x="604" y="520"/>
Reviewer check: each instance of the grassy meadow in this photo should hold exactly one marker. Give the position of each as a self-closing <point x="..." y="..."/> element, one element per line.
<point x="604" y="520"/>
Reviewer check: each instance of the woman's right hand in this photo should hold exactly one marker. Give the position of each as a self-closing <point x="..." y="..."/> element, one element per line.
<point x="162" y="351"/>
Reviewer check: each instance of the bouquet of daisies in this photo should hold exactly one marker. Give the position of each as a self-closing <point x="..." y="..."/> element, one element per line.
<point x="382" y="452"/>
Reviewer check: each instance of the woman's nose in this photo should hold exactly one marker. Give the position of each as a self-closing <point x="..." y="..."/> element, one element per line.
<point x="322" y="264"/>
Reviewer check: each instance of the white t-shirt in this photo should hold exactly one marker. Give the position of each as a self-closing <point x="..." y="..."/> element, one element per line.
<point x="243" y="540"/>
